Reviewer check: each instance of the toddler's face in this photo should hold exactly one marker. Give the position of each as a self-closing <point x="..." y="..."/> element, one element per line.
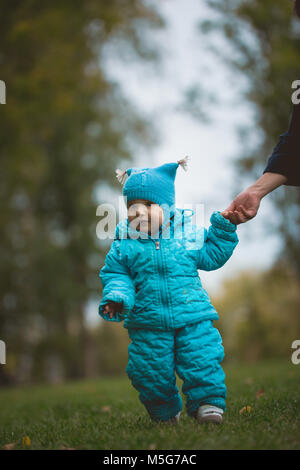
<point x="145" y="216"/>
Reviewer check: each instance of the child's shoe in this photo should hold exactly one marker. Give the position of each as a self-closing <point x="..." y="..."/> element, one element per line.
<point x="175" y="419"/>
<point x="209" y="414"/>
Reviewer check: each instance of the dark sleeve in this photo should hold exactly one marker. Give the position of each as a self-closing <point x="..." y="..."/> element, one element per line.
<point x="285" y="158"/>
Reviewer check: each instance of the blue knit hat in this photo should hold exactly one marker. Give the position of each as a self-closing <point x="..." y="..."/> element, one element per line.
<point x="152" y="184"/>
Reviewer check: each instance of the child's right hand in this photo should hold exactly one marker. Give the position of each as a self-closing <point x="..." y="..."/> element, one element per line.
<point x="112" y="308"/>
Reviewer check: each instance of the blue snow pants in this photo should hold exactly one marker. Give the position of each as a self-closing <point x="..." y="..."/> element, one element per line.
<point x="194" y="352"/>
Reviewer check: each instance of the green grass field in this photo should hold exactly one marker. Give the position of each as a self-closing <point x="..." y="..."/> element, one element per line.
<point x="106" y="414"/>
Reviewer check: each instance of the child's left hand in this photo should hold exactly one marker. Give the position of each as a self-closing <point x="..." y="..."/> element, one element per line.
<point x="112" y="308"/>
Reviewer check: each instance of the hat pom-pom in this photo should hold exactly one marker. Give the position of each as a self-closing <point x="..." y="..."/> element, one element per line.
<point x="183" y="162"/>
<point x="121" y="175"/>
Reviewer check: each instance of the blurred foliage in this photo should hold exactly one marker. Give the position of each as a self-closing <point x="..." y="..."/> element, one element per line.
<point x="64" y="130"/>
<point x="259" y="314"/>
<point x="264" y="47"/>
<point x="196" y="102"/>
<point x="112" y="352"/>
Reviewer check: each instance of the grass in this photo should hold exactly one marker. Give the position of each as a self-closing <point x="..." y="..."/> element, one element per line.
<point x="106" y="414"/>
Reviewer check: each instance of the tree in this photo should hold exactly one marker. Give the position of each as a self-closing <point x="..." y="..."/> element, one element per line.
<point x="64" y="129"/>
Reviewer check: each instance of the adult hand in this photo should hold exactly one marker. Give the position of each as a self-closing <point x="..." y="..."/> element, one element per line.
<point x="243" y="208"/>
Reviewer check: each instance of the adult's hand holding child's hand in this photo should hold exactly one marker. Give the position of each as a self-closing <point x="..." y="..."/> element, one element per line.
<point x="112" y="308"/>
<point x="246" y="204"/>
<point x="243" y="208"/>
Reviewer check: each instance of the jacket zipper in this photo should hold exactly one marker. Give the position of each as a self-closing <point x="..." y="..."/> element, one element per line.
<point x="162" y="289"/>
<point x="161" y="269"/>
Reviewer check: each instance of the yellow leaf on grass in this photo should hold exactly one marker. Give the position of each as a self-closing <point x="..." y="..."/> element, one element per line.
<point x="245" y="410"/>
<point x="26" y="442"/>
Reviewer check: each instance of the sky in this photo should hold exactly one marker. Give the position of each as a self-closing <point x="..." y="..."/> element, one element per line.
<point x="211" y="179"/>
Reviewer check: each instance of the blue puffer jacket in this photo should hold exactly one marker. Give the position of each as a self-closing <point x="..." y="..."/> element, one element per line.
<point x="157" y="280"/>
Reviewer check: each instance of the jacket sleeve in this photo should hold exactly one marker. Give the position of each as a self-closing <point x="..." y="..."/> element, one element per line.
<point x="285" y="158"/>
<point x="117" y="284"/>
<point x="219" y="242"/>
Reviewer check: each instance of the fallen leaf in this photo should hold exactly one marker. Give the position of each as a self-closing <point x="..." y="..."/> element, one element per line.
<point x="67" y="448"/>
<point x="26" y="442"/>
<point x="245" y="410"/>
<point x="105" y="409"/>
<point x="9" y="446"/>
<point x="259" y="393"/>
<point x="152" y="447"/>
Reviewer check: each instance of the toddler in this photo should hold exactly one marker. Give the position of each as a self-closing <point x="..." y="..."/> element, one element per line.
<point x="150" y="280"/>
